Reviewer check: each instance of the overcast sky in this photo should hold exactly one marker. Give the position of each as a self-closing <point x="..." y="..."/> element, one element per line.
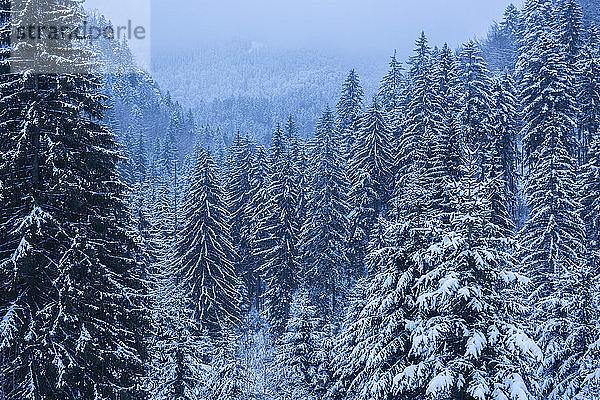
<point x="357" y="26"/>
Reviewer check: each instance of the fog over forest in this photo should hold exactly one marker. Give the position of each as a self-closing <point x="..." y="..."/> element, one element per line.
<point x="303" y="200"/>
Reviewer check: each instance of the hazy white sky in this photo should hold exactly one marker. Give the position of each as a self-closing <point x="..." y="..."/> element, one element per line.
<point x="357" y="26"/>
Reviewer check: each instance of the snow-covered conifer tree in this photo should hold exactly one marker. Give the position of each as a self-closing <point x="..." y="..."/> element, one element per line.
<point x="589" y="132"/>
<point x="302" y="362"/>
<point x="588" y="95"/>
<point x="70" y="303"/>
<point x="504" y="141"/>
<point x="239" y="182"/>
<point x="553" y="239"/>
<point x="569" y="21"/>
<point x="278" y="232"/>
<point x="423" y="116"/>
<point x="324" y="231"/>
<point x="463" y="341"/>
<point x="349" y="111"/>
<point x="373" y="344"/>
<point x="180" y="350"/>
<point x="475" y="98"/>
<point x="259" y="179"/>
<point x="229" y="380"/>
<point x="205" y="252"/>
<point x="537" y="21"/>
<point x="392" y="87"/>
<point x="371" y="178"/>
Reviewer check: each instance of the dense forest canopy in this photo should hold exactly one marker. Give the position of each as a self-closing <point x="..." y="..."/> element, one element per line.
<point x="434" y="236"/>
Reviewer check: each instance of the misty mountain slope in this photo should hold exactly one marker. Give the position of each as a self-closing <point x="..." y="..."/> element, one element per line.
<point x="591" y="10"/>
<point x="250" y="86"/>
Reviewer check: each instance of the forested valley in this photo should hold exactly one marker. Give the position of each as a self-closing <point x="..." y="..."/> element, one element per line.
<point x="438" y="240"/>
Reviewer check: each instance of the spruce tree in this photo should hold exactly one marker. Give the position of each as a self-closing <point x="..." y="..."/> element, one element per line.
<point x="475" y="97"/>
<point x="229" y="380"/>
<point x="125" y="167"/>
<point x="464" y="343"/>
<point x="588" y="96"/>
<point x="502" y="47"/>
<point x="373" y="345"/>
<point x="238" y="203"/>
<point x="569" y="27"/>
<point x="425" y="150"/>
<point x="180" y="350"/>
<point x="435" y="320"/>
<point x="324" y="231"/>
<point x="537" y="21"/>
<point x="589" y="132"/>
<point x="139" y="159"/>
<point x="297" y="152"/>
<point x="349" y="110"/>
<point x="168" y="164"/>
<point x="278" y="231"/>
<point x="504" y="140"/>
<point x="392" y="86"/>
<point x="446" y="81"/>
<point x="423" y="116"/>
<point x="301" y="359"/>
<point x="551" y="191"/>
<point x="205" y="252"/>
<point x="371" y="177"/>
<point x="392" y="97"/>
<point x="591" y="199"/>
<point x="569" y="23"/>
<point x="553" y="237"/>
<point x="259" y="180"/>
<point x="442" y="168"/>
<point x="70" y="304"/>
